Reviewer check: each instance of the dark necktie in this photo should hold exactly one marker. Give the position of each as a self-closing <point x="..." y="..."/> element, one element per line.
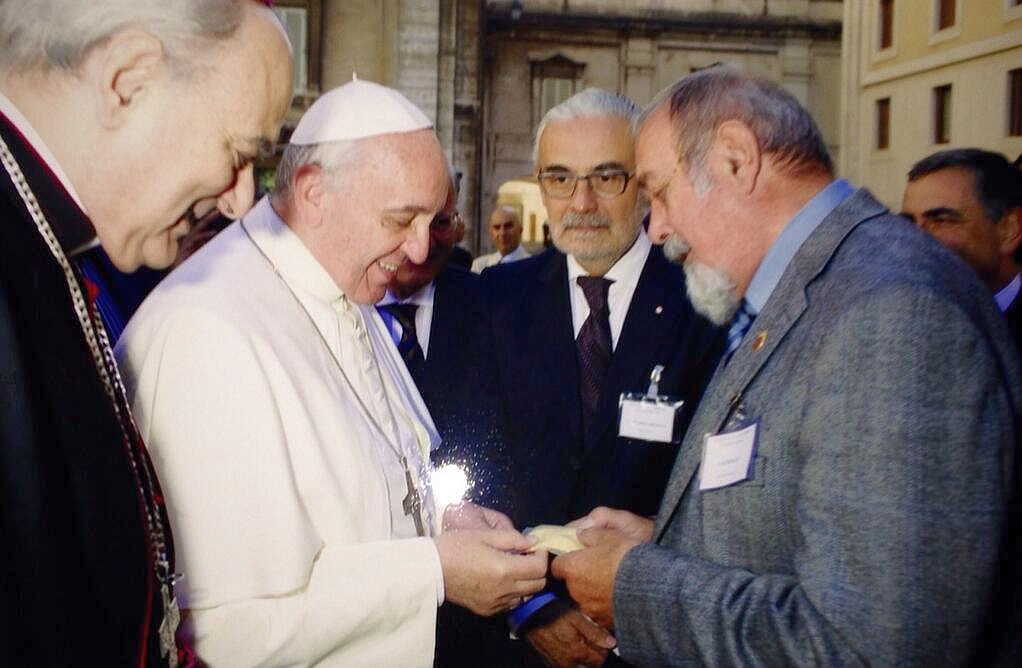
<point x="593" y="347"/>
<point x="408" y="346"/>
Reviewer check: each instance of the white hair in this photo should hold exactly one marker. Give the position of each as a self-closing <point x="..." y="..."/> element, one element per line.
<point x="336" y="158"/>
<point x="700" y="102"/>
<point x="57" y="34"/>
<point x="592" y="102"/>
<point x="507" y="208"/>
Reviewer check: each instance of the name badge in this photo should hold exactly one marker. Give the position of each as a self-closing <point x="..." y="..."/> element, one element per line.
<point x="650" y="416"/>
<point x="728" y="458"/>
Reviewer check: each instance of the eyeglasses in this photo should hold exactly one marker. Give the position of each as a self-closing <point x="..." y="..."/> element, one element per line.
<point x="606" y="183"/>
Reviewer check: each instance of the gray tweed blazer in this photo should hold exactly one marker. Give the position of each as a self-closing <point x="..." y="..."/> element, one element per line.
<point x="887" y="391"/>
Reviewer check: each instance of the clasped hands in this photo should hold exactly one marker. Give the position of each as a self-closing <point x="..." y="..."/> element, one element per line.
<point x="580" y="636"/>
<point x="489" y="567"/>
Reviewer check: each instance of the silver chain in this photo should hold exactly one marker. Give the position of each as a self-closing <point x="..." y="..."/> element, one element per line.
<point x="103" y="359"/>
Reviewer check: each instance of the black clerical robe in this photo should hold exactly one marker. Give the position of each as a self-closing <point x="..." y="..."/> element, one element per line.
<point x="75" y="563"/>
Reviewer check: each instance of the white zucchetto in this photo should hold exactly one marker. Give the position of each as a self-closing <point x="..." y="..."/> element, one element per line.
<point x="356" y="110"/>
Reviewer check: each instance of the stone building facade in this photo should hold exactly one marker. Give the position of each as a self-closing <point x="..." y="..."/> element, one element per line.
<point x="486" y="71"/>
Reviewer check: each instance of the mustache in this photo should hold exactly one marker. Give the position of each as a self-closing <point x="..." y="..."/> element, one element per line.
<point x="578" y="219"/>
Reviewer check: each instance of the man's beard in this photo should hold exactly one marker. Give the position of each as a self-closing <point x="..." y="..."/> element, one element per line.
<point x="711" y="290"/>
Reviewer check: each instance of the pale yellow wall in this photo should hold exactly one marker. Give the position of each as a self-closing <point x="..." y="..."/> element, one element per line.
<point x="975" y="61"/>
<point x="915" y="33"/>
<point x="978" y="118"/>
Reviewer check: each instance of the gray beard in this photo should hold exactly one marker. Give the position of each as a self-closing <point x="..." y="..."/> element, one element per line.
<point x="711" y="290"/>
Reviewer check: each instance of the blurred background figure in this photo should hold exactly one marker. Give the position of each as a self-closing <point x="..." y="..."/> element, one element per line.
<point x="506" y="232"/>
<point x="459" y="255"/>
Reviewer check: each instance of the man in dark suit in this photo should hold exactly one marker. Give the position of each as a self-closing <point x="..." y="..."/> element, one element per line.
<point x="88" y="117"/>
<point x="436" y="316"/>
<point x="970" y="200"/>
<point x="841" y="495"/>
<point x="576" y="327"/>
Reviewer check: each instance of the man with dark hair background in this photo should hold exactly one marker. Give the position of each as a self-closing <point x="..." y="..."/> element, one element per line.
<point x="970" y="200"/>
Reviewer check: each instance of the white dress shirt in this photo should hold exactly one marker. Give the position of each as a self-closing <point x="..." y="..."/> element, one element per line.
<point x="495" y="258"/>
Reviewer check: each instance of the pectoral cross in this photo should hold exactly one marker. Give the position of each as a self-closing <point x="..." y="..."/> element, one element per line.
<point x="168" y="627"/>
<point x="412" y="504"/>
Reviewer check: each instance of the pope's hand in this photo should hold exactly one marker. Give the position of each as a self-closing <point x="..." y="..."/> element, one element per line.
<point x="468" y="515"/>
<point x="634" y="526"/>
<point x="590" y="573"/>
<point x="489" y="571"/>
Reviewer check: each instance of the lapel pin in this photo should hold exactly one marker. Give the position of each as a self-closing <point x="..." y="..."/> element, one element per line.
<point x="760" y="340"/>
<point x="658" y="310"/>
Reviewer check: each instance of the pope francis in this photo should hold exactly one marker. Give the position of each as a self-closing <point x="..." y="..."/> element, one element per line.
<point x="291" y="441"/>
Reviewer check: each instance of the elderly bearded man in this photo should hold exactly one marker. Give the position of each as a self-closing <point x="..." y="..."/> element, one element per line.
<point x="121" y="121"/>
<point x="841" y="495"/>
<point x="293" y="444"/>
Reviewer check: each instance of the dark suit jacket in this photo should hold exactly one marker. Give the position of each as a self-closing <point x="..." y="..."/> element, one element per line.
<point x="459" y="385"/>
<point x="458" y="382"/>
<point x="556" y="476"/>
<point x="74" y="565"/>
<point x="460" y="258"/>
<point x="887" y="392"/>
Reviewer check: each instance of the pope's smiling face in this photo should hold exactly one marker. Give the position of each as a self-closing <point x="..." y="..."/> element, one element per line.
<point x="380" y="217"/>
<point x="411" y="276"/>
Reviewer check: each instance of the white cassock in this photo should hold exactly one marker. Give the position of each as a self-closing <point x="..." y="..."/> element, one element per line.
<point x="284" y="497"/>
